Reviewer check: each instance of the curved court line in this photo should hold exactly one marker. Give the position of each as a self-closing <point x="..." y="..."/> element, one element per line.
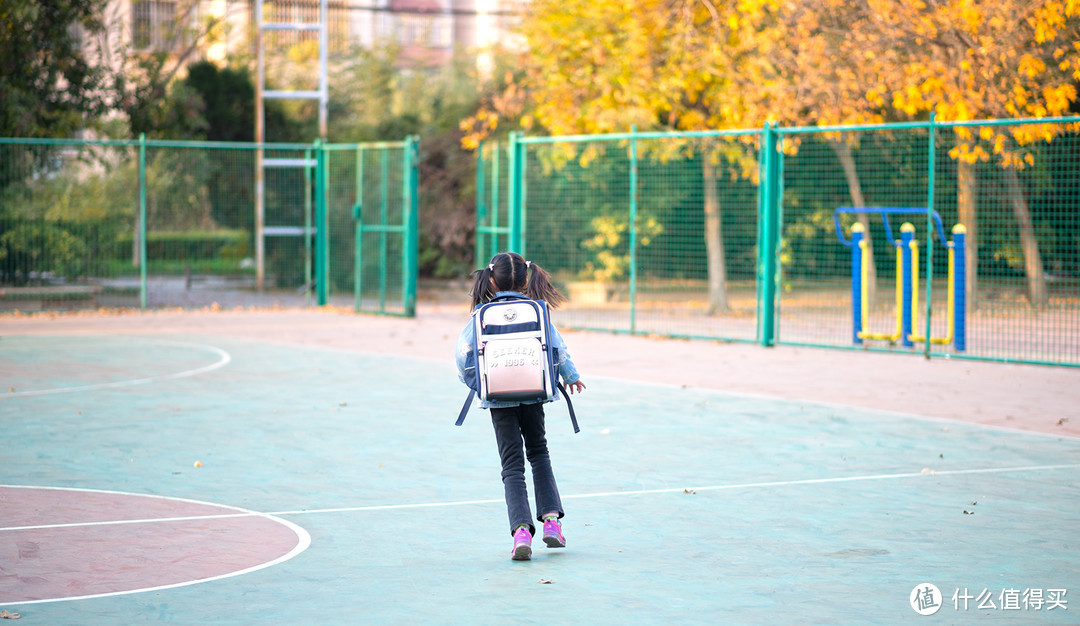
<point x="225" y="357"/>
<point x="302" y="536"/>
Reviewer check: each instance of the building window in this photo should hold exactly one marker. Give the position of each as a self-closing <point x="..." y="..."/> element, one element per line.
<point x="153" y="25"/>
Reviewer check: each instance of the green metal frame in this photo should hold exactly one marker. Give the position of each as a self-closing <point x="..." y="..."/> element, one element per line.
<point x="770" y="212"/>
<point x="492" y="235"/>
<point x="142" y="221"/>
<point x="633" y="227"/>
<point x="407" y="228"/>
<point x="316" y="210"/>
<point x="768" y="236"/>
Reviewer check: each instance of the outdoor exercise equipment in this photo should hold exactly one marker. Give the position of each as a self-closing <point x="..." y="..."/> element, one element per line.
<point x="907" y="279"/>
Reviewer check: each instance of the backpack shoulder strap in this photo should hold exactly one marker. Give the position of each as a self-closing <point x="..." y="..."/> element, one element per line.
<point x="465" y="408"/>
<point x="570" y="407"/>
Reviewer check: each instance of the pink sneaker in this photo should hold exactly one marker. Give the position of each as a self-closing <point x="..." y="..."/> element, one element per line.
<point x="522" y="545"/>
<point x="553" y="534"/>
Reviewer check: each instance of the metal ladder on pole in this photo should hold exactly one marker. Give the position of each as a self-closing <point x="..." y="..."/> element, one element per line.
<point x="308" y="163"/>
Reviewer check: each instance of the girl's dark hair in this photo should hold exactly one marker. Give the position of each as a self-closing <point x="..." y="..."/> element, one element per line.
<point x="511" y="272"/>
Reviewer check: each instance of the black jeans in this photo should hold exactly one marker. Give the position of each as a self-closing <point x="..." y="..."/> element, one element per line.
<point x="519" y="432"/>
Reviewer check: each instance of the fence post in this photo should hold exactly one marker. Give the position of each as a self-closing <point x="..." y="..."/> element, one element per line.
<point x="768" y="235"/>
<point x="930" y="166"/>
<point x="522" y="193"/>
<point x="322" y="254"/>
<point x="142" y="220"/>
<point x="496" y="174"/>
<point x="308" y="226"/>
<point x="633" y="227"/>
<point x="481" y="206"/>
<point x="358" y="234"/>
<point x="514" y="185"/>
<point x="412" y="222"/>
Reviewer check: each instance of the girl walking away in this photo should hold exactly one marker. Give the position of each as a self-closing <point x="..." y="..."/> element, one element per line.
<point x="519" y="426"/>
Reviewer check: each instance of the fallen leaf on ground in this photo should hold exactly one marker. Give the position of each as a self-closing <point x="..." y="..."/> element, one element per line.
<point x="9" y="615"/>
<point x="688" y="491"/>
<point x="545" y="581"/>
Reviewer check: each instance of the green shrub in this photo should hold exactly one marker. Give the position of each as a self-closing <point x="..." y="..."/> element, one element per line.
<point x="190" y="244"/>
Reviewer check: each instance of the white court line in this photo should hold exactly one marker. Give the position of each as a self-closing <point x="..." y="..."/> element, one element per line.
<point x="302" y="543"/>
<point x="305" y="538"/>
<point x="639" y="492"/>
<point x="603" y="494"/>
<point x="225" y="357"/>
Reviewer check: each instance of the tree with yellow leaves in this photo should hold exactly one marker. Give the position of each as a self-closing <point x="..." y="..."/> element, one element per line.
<point x="606" y="65"/>
<point x="975" y="59"/>
<point x="600" y="66"/>
<point x="823" y="73"/>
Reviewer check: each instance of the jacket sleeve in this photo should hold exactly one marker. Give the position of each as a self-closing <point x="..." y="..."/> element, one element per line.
<point x="465" y="355"/>
<point x="567" y="369"/>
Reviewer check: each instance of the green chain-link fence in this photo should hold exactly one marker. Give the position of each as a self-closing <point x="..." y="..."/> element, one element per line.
<point x="372" y="208"/>
<point x="68" y="213"/>
<point x="166" y="223"/>
<point x="709" y="235"/>
<point x="1009" y="185"/>
<point x="620" y="222"/>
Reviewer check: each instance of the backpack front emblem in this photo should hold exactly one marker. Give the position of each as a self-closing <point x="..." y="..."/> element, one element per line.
<point x="510" y="314"/>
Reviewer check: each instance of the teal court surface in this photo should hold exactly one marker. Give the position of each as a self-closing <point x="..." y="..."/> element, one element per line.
<point x="194" y="478"/>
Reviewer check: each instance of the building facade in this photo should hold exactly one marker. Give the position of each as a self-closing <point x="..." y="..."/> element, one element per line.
<point x="428" y="31"/>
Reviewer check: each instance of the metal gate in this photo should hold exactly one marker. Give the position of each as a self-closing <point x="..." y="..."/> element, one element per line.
<point x="372" y="218"/>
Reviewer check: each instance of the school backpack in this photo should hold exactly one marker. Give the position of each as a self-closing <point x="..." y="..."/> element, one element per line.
<point x="515" y="361"/>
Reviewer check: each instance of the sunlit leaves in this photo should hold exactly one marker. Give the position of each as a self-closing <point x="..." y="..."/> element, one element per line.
<point x="605" y="65"/>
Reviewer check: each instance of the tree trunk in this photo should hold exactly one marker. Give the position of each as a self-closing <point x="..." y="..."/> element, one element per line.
<point x="714" y="240"/>
<point x="1033" y="265"/>
<point x="966" y="199"/>
<point x="847" y="162"/>
<point x="136" y="243"/>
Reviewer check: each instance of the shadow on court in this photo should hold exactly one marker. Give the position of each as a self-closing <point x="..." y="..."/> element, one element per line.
<point x="682" y="505"/>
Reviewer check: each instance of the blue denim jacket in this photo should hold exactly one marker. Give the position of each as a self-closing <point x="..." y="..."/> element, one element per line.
<point x="465" y="356"/>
